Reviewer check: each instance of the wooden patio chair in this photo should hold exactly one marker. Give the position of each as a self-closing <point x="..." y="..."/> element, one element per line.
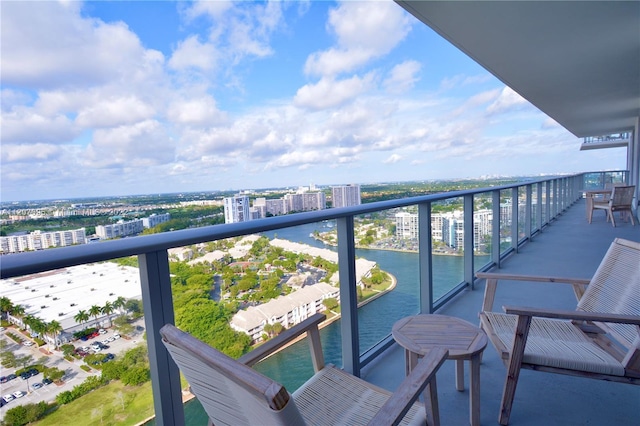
<point x="599" y="340"/>
<point x="232" y="393"/>
<point x="620" y="201"/>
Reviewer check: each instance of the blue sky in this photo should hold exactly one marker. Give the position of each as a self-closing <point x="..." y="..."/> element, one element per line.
<point x="115" y="98"/>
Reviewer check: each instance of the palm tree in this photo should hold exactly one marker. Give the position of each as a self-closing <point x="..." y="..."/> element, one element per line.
<point x="81" y="317"/>
<point x="54" y="328"/>
<point x="18" y="312"/>
<point x="95" y="312"/>
<point x="120" y="303"/>
<point x="108" y="309"/>
<point x="6" y="306"/>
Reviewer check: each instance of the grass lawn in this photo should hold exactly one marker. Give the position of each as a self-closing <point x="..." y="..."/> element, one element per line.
<point x="114" y="404"/>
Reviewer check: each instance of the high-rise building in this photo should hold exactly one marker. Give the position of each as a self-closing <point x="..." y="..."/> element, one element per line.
<point x="346" y="195"/>
<point x="236" y="209"/>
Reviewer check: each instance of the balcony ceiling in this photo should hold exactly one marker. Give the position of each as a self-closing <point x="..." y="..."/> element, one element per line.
<point x="577" y="61"/>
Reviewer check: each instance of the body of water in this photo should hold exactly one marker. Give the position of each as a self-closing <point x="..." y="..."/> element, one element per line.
<point x="292" y="366"/>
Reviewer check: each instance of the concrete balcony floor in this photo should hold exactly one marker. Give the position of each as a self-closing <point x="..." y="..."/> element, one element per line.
<point x="570" y="247"/>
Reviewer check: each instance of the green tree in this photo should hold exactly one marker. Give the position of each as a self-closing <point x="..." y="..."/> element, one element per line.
<point x="120" y="304"/>
<point x="6" y="306"/>
<point x="95" y="312"/>
<point x="54" y="328"/>
<point x="107" y="310"/>
<point x="136" y="375"/>
<point x="81" y="317"/>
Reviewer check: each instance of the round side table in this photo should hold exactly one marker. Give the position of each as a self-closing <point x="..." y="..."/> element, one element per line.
<point x="420" y="333"/>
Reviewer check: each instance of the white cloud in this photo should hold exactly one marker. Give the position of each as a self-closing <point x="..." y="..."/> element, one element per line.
<point x="393" y="158"/>
<point x="24" y="125"/>
<point x="402" y="77"/>
<point x="82" y="52"/>
<point x="29" y="153"/>
<point x="329" y="93"/>
<point x="507" y="101"/>
<point x="364" y="31"/>
<point x="190" y="53"/>
<point x="140" y="145"/>
<point x="110" y="112"/>
<point x="196" y="111"/>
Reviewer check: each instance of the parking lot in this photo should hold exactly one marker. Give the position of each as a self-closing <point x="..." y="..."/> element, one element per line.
<point x="74" y="375"/>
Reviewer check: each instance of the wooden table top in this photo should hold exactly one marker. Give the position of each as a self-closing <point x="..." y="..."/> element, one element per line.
<point x="421" y="333"/>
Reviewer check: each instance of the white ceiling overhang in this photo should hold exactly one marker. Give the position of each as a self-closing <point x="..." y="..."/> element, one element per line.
<point x="577" y="61"/>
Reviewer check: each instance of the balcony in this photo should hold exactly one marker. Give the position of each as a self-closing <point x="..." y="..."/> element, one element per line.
<point x="548" y="228"/>
<point x="616" y="140"/>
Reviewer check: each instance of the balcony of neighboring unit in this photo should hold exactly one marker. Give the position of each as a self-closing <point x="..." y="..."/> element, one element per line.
<point x="614" y="140"/>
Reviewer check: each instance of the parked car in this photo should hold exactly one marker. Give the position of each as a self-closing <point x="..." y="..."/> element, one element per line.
<point x="8" y="397"/>
<point x="11" y="377"/>
<point x="34" y="371"/>
<point x="18" y="394"/>
<point x="27" y="343"/>
<point x="37" y="385"/>
<point x="102" y="331"/>
<point x="4" y="379"/>
<point x="116" y="336"/>
<point x="105" y="341"/>
<point x="111" y="339"/>
<point x="47" y="381"/>
<point x="110" y="356"/>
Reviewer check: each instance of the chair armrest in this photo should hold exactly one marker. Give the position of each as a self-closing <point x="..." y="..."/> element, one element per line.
<point x="310" y="325"/>
<point x="572" y="315"/>
<point x="579" y="284"/>
<point x="532" y="278"/>
<point x="392" y="412"/>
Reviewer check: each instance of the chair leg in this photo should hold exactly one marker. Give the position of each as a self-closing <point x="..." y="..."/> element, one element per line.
<point x="613" y="220"/>
<point x="513" y="372"/>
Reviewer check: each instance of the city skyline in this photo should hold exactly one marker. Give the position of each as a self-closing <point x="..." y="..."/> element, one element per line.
<point x="123" y="98"/>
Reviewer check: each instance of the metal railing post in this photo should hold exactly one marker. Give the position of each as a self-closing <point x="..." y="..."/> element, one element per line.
<point x="495" y="228"/>
<point x="514" y="219"/>
<point x="348" y="295"/>
<point x="425" y="258"/>
<point x="157" y="303"/>
<point x="528" y="213"/>
<point x="539" y="206"/>
<point x="468" y="240"/>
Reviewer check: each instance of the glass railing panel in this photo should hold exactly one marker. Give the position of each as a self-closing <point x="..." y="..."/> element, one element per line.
<point x="505" y="220"/>
<point x="388" y="270"/>
<point x="522" y="212"/>
<point x="534" y="208"/>
<point x="447" y="230"/>
<point x="482" y="230"/>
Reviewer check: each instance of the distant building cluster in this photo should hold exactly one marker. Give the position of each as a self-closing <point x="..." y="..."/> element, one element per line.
<point x="38" y="240"/>
<point x="238" y="208"/>
<point x="132" y="227"/>
<point x="449" y="227"/>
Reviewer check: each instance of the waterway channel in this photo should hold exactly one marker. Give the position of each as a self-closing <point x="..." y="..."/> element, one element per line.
<point x="292" y="366"/>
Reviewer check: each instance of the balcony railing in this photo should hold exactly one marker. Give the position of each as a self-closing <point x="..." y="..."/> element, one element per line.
<point x="615" y="140"/>
<point x="538" y="203"/>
